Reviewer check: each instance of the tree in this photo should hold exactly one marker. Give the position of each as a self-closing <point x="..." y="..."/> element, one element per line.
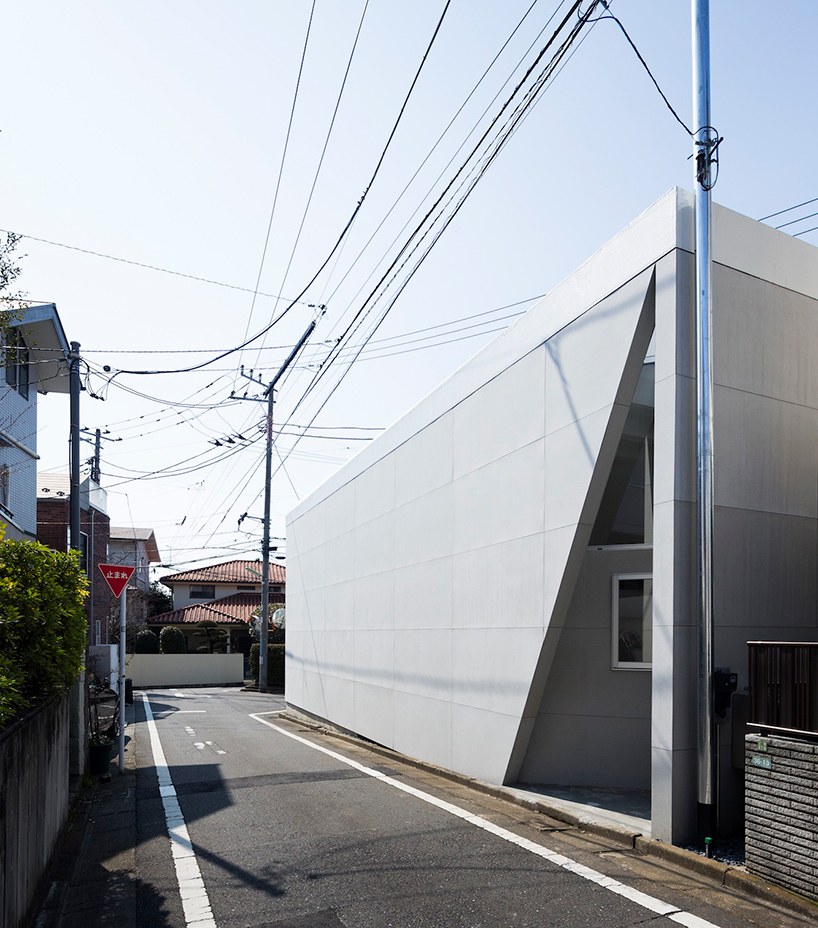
<point x="160" y="600"/>
<point x="215" y="637"/>
<point x="10" y="309"/>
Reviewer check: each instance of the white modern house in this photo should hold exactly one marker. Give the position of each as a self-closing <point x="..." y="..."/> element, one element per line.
<point x="503" y="583"/>
<point x="35" y="360"/>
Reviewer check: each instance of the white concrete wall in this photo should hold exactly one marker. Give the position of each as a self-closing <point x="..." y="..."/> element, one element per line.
<point x="427" y="576"/>
<point x="184" y="669"/>
<point x="432" y="580"/>
<point x="593" y="727"/>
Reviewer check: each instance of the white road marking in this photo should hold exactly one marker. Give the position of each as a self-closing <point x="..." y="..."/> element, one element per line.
<point x="189" y="712"/>
<point x="195" y="901"/>
<point x="189" y="730"/>
<point x="215" y="748"/>
<point x="634" y="895"/>
<point x="199" y="745"/>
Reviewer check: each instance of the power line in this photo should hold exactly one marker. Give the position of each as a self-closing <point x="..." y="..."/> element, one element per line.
<point x="340" y="238"/>
<point x="782" y="211"/>
<point x="326" y="145"/>
<point x="793" y="222"/>
<point x="483" y="162"/>
<point x="609" y="15"/>
<point x="281" y="167"/>
<point x="437" y="143"/>
<point x="150" y="267"/>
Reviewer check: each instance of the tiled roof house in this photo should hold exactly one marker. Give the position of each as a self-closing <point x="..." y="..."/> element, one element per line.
<point x="228" y="593"/>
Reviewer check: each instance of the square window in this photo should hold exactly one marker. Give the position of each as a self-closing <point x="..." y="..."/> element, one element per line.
<point x="202" y="591"/>
<point x="632" y="628"/>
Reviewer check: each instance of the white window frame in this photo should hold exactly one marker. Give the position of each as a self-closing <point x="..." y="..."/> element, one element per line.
<point x="616" y="663"/>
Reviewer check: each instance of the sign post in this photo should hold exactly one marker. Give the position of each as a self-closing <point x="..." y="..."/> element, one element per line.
<point x="117" y="577"/>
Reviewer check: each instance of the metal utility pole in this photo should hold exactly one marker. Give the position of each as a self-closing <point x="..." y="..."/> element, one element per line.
<point x="268" y="477"/>
<point x="74" y="392"/>
<point x="705" y="144"/>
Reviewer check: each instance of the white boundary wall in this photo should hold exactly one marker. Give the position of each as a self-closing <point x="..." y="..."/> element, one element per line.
<point x="184" y="669"/>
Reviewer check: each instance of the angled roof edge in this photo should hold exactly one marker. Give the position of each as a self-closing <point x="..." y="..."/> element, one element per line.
<point x="663" y="226"/>
<point x="48" y="346"/>
<point x="146" y="535"/>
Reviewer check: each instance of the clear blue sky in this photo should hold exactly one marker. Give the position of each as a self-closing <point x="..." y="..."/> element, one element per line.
<point x="155" y="132"/>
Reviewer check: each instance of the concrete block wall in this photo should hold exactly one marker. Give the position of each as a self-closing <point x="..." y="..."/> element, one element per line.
<point x="781" y="814"/>
<point x="34" y="781"/>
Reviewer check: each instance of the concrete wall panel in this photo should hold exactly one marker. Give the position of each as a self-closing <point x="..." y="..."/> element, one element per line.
<point x="425" y="463"/>
<point x="766" y="454"/>
<point x="501" y="501"/>
<point x="423" y="595"/>
<point x="424" y="528"/>
<point x="502" y="417"/>
<point x="423" y="727"/>
<point x="499" y="585"/>
<point x="423" y="662"/>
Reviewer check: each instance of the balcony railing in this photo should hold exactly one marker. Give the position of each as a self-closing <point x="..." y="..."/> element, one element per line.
<point x="784" y="686"/>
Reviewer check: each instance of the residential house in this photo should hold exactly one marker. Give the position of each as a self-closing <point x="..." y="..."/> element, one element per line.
<point x="53" y="530"/>
<point x="35" y="361"/>
<point x="504" y="582"/>
<point x="227" y="593"/>
<point x="137" y="548"/>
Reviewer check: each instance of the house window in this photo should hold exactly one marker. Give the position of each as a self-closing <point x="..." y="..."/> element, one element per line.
<point x="246" y="586"/>
<point x="632" y="636"/>
<point x="625" y="515"/>
<point x="202" y="591"/>
<point x="17" y="371"/>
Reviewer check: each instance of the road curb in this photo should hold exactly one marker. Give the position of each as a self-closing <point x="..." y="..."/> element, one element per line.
<point x="734" y="878"/>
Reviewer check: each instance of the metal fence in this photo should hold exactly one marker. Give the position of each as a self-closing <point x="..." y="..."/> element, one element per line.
<point x="784" y="686"/>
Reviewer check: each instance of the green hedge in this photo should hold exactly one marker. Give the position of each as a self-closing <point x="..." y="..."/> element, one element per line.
<point x="42" y="624"/>
<point x="172" y="641"/>
<point x="275" y="664"/>
<point x="146" y="642"/>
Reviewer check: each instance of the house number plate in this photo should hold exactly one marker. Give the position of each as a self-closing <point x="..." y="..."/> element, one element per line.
<point x="765" y="762"/>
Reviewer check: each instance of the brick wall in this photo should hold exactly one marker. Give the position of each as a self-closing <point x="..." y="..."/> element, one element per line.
<point x="781" y="811"/>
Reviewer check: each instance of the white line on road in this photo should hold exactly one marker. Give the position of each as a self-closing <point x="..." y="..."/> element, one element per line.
<point x="195" y="901"/>
<point x="674" y="913"/>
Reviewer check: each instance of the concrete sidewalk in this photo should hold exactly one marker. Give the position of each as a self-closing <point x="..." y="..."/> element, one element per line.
<point x="93" y="881"/>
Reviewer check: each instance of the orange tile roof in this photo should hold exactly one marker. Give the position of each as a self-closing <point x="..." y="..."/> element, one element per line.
<point x="229" y="572"/>
<point x="237" y="609"/>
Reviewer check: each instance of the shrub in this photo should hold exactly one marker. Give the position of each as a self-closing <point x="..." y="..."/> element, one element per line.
<point x="146" y="642"/>
<point x="215" y="637"/>
<point x="42" y="624"/>
<point x="275" y="664"/>
<point x="172" y="641"/>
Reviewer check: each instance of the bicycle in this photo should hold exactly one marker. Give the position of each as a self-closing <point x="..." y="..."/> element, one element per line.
<point x="103" y="708"/>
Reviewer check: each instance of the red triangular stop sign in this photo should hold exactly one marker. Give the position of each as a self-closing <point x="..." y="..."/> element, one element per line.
<point x="116" y="576"/>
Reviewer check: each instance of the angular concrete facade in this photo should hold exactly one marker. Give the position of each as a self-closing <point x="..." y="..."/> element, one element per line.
<point x="450" y="590"/>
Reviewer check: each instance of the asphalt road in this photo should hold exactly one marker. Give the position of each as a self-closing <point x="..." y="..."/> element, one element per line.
<point x="275" y="825"/>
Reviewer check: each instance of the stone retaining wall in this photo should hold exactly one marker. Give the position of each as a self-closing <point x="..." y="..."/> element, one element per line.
<point x="781" y="811"/>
